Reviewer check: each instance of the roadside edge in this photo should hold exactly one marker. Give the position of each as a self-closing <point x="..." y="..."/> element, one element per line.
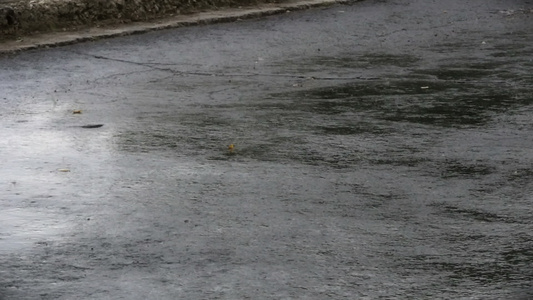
<point x="54" y="39"/>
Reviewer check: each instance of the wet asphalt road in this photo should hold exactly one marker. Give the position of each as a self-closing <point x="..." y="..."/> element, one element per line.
<point x="383" y="150"/>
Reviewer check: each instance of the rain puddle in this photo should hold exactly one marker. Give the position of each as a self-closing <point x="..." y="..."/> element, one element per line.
<point x="21" y="228"/>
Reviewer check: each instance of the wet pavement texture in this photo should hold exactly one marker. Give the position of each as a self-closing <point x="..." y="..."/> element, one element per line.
<point x="383" y="150"/>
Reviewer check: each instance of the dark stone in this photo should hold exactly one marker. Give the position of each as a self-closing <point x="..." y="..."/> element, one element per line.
<point x="10" y="15"/>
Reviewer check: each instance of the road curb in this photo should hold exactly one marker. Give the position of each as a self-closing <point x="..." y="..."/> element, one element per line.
<point x="64" y="37"/>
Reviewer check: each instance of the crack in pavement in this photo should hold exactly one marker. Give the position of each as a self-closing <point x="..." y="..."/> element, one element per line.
<point x="214" y="74"/>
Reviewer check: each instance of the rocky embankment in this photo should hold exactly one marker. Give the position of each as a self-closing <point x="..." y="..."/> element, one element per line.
<point x="38" y="16"/>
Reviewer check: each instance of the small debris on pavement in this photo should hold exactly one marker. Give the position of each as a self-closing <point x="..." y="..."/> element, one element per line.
<point x="92" y="126"/>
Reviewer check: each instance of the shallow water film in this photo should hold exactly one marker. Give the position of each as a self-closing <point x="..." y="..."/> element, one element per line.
<point x="380" y="150"/>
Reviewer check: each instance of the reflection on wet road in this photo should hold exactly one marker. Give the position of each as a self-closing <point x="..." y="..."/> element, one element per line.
<point x="387" y="157"/>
